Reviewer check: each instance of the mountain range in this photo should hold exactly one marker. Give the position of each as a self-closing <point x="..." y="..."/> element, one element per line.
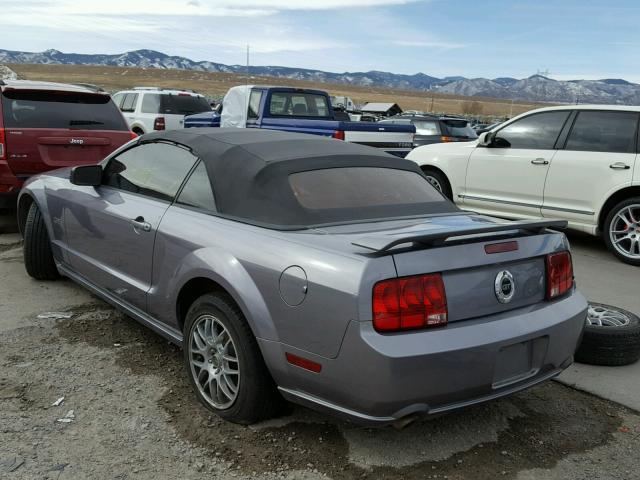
<point x="536" y="88"/>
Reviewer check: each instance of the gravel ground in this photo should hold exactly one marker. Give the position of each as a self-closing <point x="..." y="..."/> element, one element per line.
<point x="128" y="413"/>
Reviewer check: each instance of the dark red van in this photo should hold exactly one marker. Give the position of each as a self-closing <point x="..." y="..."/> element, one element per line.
<point x="45" y="125"/>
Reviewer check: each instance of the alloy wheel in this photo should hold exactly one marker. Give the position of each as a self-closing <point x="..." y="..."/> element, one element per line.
<point x="624" y="231"/>
<point x="603" y="316"/>
<point x="434" y="181"/>
<point x="214" y="362"/>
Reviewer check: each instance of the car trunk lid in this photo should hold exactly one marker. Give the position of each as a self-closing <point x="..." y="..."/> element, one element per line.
<point x="473" y="254"/>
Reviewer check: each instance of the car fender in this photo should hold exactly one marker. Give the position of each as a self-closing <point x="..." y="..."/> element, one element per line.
<point x="450" y="158"/>
<point x="223" y="268"/>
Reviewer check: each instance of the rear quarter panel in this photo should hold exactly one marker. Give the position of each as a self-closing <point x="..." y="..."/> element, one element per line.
<point x="248" y="262"/>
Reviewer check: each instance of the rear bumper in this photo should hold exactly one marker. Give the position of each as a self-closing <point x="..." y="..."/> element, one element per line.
<point x="9" y="186"/>
<point x="378" y="379"/>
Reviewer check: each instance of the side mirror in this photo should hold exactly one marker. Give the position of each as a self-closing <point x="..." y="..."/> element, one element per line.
<point x="86" y="175"/>
<point x="485" y="139"/>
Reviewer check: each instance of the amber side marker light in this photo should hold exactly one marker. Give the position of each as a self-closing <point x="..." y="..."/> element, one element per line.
<point x="302" y="362"/>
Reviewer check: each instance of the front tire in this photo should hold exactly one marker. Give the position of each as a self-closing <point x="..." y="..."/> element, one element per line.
<point x="38" y="257"/>
<point x="224" y="363"/>
<point x="439" y="181"/>
<point x="621" y="231"/>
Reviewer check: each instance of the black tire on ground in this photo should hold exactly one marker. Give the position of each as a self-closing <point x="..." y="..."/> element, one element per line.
<point x="610" y="345"/>
<point x="258" y="398"/>
<point x="607" y="227"/>
<point x="38" y="258"/>
<point x="438" y="178"/>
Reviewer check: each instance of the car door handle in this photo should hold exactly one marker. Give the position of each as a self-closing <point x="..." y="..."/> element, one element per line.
<point x="140" y="224"/>
<point x="619" y="166"/>
<point x="540" y="161"/>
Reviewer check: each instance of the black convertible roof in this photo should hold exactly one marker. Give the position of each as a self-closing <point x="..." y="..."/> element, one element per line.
<point x="249" y="170"/>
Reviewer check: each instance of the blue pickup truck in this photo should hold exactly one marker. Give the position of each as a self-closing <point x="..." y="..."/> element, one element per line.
<point x="300" y="110"/>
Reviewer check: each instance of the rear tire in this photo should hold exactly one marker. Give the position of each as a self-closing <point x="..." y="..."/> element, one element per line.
<point x="622" y="217"/>
<point x="38" y="257"/>
<point x="246" y="397"/>
<point x="439" y="181"/>
<point x="612" y="343"/>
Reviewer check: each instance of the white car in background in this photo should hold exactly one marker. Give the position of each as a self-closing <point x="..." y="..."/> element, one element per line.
<point x="151" y="108"/>
<point x="576" y="163"/>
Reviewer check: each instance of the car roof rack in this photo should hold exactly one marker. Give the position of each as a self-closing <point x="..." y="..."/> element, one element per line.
<point x="147" y="88"/>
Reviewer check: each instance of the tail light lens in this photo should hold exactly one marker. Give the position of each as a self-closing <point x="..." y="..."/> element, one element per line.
<point x="158" y="123"/>
<point x="446" y="139"/>
<point x="338" y="135"/>
<point x="409" y="303"/>
<point x="3" y="155"/>
<point x="559" y="274"/>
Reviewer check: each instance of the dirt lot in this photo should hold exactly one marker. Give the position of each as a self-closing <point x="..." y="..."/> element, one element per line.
<point x="133" y="415"/>
<point x="217" y="84"/>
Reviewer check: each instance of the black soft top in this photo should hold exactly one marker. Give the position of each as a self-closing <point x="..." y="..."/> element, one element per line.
<point x="249" y="171"/>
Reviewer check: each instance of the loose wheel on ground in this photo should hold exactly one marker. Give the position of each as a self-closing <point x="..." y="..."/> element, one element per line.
<point x="611" y="337"/>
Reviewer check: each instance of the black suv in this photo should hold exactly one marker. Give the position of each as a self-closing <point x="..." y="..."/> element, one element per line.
<point x="434" y="129"/>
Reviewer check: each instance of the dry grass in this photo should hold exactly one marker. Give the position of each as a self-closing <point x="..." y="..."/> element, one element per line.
<point x="216" y="84"/>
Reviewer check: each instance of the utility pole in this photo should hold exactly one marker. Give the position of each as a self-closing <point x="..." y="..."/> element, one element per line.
<point x="247" y="64"/>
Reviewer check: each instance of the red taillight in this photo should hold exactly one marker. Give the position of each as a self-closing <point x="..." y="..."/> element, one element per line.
<point x="446" y="139"/>
<point x="158" y="123"/>
<point x="302" y="362"/>
<point x="338" y="135"/>
<point x="408" y="303"/>
<point x="559" y="274"/>
<point x="3" y="152"/>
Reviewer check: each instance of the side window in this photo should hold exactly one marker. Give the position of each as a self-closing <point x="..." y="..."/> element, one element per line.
<point x="197" y="191"/>
<point x="426" y="127"/>
<point x="538" y="131"/>
<point x="150" y="103"/>
<point x="129" y="102"/>
<point x="604" y="132"/>
<point x="117" y="99"/>
<point x="153" y="169"/>
<point x="254" y="103"/>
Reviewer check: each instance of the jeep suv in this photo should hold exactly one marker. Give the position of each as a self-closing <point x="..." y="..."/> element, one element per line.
<point x="150" y="108"/>
<point x="45" y="125"/>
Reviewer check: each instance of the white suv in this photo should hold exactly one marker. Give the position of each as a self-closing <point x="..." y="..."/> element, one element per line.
<point x="576" y="163"/>
<point x="150" y="108"/>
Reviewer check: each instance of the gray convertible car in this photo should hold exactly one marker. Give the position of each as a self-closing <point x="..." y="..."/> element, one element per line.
<point x="312" y="269"/>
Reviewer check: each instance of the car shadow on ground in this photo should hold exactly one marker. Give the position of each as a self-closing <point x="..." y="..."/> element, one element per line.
<point x="533" y="429"/>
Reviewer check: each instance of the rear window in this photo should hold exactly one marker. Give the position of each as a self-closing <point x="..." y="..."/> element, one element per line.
<point x="174" y="104"/>
<point x="459" y="128"/>
<point x="295" y="104"/>
<point x="362" y="187"/>
<point x="60" y="110"/>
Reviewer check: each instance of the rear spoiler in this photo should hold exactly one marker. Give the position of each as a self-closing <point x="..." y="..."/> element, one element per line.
<point x="384" y="242"/>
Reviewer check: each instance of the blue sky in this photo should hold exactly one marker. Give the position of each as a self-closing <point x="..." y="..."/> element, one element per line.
<point x="569" y="38"/>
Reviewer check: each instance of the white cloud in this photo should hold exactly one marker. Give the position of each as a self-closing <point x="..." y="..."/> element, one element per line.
<point x="428" y="44"/>
<point x="210" y="8"/>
